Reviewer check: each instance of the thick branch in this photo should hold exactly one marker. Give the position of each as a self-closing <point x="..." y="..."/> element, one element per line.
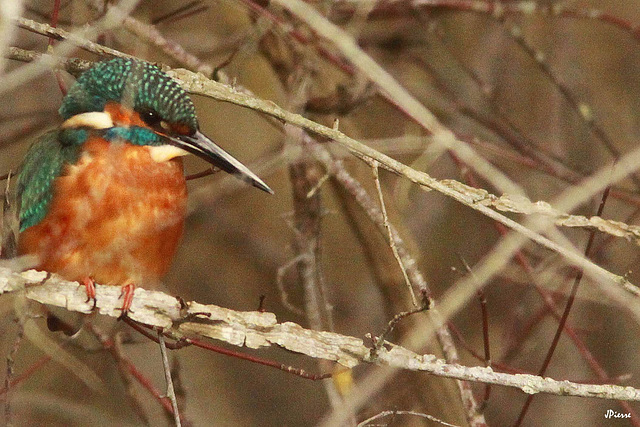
<point x="257" y="329"/>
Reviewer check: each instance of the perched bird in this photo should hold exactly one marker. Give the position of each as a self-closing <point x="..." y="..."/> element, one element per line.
<point x="102" y="198"/>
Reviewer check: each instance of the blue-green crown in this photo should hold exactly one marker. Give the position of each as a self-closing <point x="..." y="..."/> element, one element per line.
<point x="131" y="81"/>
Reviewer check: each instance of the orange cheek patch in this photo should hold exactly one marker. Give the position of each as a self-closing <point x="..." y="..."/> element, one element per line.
<point x="123" y="116"/>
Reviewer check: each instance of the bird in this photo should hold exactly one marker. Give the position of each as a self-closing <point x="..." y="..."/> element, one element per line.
<point x="102" y="198"/>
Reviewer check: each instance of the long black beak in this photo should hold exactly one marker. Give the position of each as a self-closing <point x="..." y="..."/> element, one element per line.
<point x="206" y="149"/>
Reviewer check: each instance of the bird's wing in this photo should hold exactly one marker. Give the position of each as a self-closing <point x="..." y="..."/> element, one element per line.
<point x="42" y="165"/>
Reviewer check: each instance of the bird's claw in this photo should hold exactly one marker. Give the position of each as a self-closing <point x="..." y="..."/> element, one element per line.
<point x="127" y="298"/>
<point x="90" y="286"/>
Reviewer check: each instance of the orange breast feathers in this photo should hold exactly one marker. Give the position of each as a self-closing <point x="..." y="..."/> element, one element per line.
<point x="116" y="216"/>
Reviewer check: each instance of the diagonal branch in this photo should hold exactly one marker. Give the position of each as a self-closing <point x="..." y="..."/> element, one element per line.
<point x="471" y="197"/>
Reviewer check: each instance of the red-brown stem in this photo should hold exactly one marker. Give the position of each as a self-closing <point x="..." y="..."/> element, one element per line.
<point x="179" y="13"/>
<point x="27" y="373"/>
<point x="563" y="321"/>
<point x="147" y="384"/>
<point x="109" y="345"/>
<point x="485" y="332"/>
<point x="54" y="23"/>
<point x="54" y="18"/>
<point x="198" y="343"/>
<point x="206" y="172"/>
<point x="286" y="368"/>
<point x="547" y="298"/>
<point x="501" y="367"/>
<point x="485" y="337"/>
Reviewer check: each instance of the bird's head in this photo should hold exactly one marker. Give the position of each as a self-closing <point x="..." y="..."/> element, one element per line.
<point x="136" y="101"/>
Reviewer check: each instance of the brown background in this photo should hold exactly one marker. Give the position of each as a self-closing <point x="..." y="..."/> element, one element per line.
<point x="236" y="237"/>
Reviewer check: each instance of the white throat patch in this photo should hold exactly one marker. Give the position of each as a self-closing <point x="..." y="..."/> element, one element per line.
<point x="163" y="153"/>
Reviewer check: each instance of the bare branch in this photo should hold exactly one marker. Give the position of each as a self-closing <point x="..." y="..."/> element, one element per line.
<point x="471" y="197"/>
<point x="151" y="34"/>
<point x="257" y="330"/>
<point x="474" y="198"/>
<point x="201" y="85"/>
<point x="74" y="39"/>
<point x="396" y="93"/>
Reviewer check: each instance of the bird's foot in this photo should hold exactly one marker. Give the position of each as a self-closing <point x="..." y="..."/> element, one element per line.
<point x="90" y="286"/>
<point x="127" y="298"/>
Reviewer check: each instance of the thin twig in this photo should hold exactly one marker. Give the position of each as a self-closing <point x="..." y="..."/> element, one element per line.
<point x="25" y="375"/>
<point x="171" y="393"/>
<point x="284" y="295"/>
<point x="383" y="414"/>
<point x="11" y="359"/>
<point x="380" y="340"/>
<point x="498" y="10"/>
<point x="485" y="330"/>
<point x="178" y="13"/>
<point x="385" y="220"/>
<point x="152" y="35"/>
<point x="73" y="38"/>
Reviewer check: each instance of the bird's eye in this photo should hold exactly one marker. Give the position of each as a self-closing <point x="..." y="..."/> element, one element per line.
<point x="150" y="117"/>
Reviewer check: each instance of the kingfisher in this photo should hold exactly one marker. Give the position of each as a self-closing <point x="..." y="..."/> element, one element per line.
<point x="102" y="198"/>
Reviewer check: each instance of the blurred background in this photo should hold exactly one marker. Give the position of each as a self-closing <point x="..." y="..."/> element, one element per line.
<point x="547" y="97"/>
